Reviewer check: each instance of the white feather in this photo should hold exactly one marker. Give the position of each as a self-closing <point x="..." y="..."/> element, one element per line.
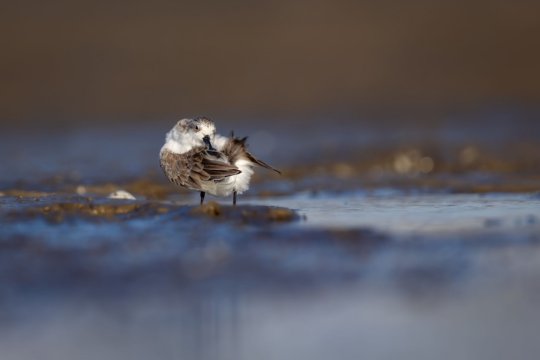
<point x="220" y="142"/>
<point x="241" y="181"/>
<point x="179" y="143"/>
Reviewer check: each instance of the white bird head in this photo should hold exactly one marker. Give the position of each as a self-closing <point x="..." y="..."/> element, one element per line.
<point x="188" y="133"/>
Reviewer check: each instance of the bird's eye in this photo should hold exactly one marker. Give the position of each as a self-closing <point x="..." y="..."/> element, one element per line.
<point x="196" y="128"/>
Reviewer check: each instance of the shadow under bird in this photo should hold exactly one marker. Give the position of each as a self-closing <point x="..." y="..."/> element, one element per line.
<point x="196" y="158"/>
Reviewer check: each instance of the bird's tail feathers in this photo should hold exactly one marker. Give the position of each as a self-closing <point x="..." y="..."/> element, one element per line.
<point x="238" y="147"/>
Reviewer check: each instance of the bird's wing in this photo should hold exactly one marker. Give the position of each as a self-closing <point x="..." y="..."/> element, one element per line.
<point x="217" y="169"/>
<point x="195" y="166"/>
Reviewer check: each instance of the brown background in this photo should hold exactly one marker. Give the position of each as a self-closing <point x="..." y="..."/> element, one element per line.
<point x="144" y="60"/>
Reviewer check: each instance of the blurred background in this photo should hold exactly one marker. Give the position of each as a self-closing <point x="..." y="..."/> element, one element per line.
<point x="416" y="62"/>
<point x="407" y="221"/>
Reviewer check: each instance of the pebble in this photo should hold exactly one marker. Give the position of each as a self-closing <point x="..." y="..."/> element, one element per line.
<point x="121" y="194"/>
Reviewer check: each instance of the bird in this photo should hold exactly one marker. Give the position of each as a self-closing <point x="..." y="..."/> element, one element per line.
<point x="196" y="158"/>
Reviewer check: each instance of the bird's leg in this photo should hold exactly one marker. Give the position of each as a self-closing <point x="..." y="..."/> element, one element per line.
<point x="234" y="198"/>
<point x="202" y="196"/>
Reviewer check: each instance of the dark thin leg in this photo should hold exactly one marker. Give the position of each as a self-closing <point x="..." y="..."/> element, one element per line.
<point x="202" y="196"/>
<point x="234" y="198"/>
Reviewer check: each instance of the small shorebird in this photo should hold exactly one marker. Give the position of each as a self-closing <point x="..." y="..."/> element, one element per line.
<point x="196" y="158"/>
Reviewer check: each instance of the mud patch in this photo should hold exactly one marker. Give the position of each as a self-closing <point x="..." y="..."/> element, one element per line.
<point x="98" y="210"/>
<point x="246" y="213"/>
<point x="71" y="211"/>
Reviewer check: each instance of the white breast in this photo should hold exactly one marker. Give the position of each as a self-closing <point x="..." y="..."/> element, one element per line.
<point x="242" y="180"/>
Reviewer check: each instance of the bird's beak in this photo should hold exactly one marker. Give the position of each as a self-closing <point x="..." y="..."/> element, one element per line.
<point x="206" y="140"/>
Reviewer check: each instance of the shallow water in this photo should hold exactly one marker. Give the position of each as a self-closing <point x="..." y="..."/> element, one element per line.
<point x="350" y="324"/>
<point x="375" y="257"/>
<point x="433" y="275"/>
<point x="393" y="212"/>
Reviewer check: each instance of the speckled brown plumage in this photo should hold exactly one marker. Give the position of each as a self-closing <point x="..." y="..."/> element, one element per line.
<point x="191" y="168"/>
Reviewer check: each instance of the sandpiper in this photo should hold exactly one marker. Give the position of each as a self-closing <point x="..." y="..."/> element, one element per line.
<point x="196" y="158"/>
